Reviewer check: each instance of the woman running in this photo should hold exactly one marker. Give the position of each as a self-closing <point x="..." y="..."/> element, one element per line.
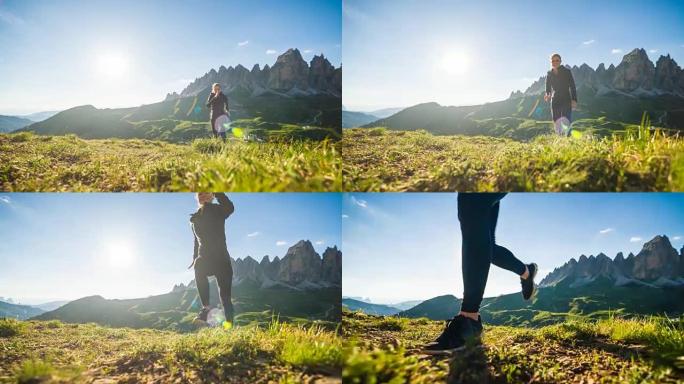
<point x="561" y="91"/>
<point x="217" y="103"/>
<point x="210" y="257"/>
<point x="478" y="214"/>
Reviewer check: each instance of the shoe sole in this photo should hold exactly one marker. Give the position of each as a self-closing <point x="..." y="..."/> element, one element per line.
<point x="446" y="352"/>
<point x="534" y="286"/>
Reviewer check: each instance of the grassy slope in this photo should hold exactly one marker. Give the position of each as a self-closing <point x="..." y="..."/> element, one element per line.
<point x="381" y="160"/>
<point x="57" y="352"/>
<point x="59" y="163"/>
<point x="386" y="349"/>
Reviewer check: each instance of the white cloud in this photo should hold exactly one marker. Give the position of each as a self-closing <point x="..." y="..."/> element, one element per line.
<point x="319" y="242"/>
<point x="253" y="234"/>
<point x="6" y="200"/>
<point x="271" y="51"/>
<point x="10" y="18"/>
<point x="359" y="202"/>
<point x="652" y="50"/>
<point x="635" y="239"/>
<point x="589" y="42"/>
<point x="615" y="51"/>
<point x="308" y="51"/>
<point x="677" y="238"/>
<point x="606" y="231"/>
<point x="243" y="43"/>
<point x="345" y="216"/>
<point x="280" y="243"/>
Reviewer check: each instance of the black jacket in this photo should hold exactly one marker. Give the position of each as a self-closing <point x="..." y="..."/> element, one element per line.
<point x="218" y="105"/>
<point x="563" y="86"/>
<point x="209" y="227"/>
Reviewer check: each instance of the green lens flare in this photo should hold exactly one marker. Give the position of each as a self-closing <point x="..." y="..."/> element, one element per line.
<point x="237" y="132"/>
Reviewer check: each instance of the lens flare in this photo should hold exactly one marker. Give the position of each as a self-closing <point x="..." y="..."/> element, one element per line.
<point x="215" y="317"/>
<point x="563" y="126"/>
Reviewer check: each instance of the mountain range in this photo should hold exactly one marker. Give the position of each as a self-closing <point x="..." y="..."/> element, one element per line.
<point x="658" y="264"/>
<point x="612" y="97"/>
<point x="301" y="284"/>
<point x="650" y="282"/>
<point x="289" y="76"/>
<point x="291" y="91"/>
<point x="351" y="119"/>
<point x="13" y="123"/>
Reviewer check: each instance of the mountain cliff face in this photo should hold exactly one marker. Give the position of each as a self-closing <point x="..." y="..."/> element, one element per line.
<point x="658" y="264"/>
<point x="300" y="268"/>
<point x="290" y="75"/>
<point x="636" y="76"/>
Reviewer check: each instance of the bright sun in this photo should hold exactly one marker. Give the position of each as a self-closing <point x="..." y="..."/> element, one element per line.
<point x="112" y="64"/>
<point x="455" y="62"/>
<point x="120" y="255"/>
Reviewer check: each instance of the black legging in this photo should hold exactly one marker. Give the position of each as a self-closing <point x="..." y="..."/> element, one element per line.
<point x="478" y="213"/>
<point x="224" y="277"/>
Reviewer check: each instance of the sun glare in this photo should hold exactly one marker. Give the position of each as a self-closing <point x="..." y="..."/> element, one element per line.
<point x="455" y="62"/>
<point x="112" y="65"/>
<point x="120" y="255"/>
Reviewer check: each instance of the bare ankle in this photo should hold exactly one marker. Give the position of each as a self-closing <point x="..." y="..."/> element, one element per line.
<point x="525" y="274"/>
<point x="471" y="315"/>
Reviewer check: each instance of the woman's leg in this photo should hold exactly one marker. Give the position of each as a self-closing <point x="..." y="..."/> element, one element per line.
<point x="224" y="278"/>
<point x="502" y="257"/>
<point x="202" y="282"/>
<point x="213" y="126"/>
<point x="476" y="247"/>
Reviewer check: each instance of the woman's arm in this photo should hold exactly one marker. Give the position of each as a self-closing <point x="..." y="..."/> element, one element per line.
<point x="573" y="89"/>
<point x="227" y="207"/>
<point x="210" y="99"/>
<point x="195" y="252"/>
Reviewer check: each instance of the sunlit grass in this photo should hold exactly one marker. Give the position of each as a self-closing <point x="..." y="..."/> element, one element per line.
<point x="378" y="159"/>
<point x="278" y="352"/>
<point x="67" y="163"/>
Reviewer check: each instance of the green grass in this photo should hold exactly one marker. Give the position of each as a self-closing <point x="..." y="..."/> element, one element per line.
<point x="278" y="352"/>
<point x="11" y="327"/>
<point x="378" y="159"/>
<point x="608" y="350"/>
<point x="67" y="163"/>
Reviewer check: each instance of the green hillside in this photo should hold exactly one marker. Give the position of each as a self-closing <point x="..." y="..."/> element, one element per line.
<point x="517" y="117"/>
<point x="184" y="119"/>
<point x="373" y="309"/>
<point x="12" y="123"/>
<point x="560" y="303"/>
<point x="31" y="162"/>
<point x="437" y="308"/>
<point x="378" y="159"/>
<point x="352" y="119"/>
<point x="613" y="350"/>
<point x="51" y="351"/>
<point x="176" y="310"/>
<point x="18" y="311"/>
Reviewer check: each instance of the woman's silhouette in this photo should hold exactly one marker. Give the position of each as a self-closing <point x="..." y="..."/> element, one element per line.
<point x="210" y="257"/>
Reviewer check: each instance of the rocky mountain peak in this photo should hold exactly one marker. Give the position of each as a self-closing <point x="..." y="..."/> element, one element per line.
<point x="656" y="259"/>
<point x="635" y="75"/>
<point x="300" y="268"/>
<point x="658" y="263"/>
<point x="289" y="76"/>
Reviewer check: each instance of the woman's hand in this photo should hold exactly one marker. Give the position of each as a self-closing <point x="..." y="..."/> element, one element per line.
<point x="574" y="105"/>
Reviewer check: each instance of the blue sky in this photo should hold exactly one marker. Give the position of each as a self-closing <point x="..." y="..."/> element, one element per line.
<point x="66" y="246"/>
<point x="60" y="54"/>
<point x="404" y="52"/>
<point x="407" y="246"/>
